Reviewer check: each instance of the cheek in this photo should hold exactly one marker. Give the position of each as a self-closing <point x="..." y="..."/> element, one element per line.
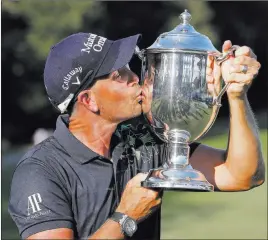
<point x="112" y="95"/>
<point x="111" y="100"/>
<point x="117" y="96"/>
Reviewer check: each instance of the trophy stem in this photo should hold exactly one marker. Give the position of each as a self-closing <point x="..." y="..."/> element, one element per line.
<point x="178" y="149"/>
<point x="178" y="174"/>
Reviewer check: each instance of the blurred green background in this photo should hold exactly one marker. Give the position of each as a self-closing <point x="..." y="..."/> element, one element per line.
<point x="30" y="28"/>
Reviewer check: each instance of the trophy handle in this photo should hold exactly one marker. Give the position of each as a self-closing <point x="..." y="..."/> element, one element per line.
<point x="139" y="53"/>
<point x="217" y="100"/>
<point x="142" y="57"/>
<point x="220" y="58"/>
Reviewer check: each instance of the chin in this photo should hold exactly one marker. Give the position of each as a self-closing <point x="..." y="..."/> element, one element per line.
<point x="130" y="116"/>
<point x="145" y="108"/>
<point x="136" y="112"/>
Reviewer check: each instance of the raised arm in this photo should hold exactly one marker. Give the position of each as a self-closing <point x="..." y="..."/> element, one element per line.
<point x="241" y="166"/>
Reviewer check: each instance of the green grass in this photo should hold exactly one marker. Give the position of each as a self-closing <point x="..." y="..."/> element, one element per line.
<point x="240" y="215"/>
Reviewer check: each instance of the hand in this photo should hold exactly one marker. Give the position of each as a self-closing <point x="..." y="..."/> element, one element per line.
<point x="138" y="202"/>
<point x="232" y="70"/>
<point x="213" y="76"/>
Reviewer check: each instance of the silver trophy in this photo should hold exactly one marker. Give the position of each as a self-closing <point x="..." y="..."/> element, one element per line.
<point x="181" y="97"/>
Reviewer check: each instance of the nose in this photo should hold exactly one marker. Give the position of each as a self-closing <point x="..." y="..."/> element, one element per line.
<point x="133" y="79"/>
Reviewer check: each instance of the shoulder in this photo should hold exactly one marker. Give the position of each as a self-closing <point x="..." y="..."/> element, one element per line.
<point x="37" y="166"/>
<point x="39" y="149"/>
<point x="45" y="153"/>
<point x="40" y="166"/>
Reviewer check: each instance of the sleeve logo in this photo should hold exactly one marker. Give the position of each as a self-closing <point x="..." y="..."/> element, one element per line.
<point x="33" y="203"/>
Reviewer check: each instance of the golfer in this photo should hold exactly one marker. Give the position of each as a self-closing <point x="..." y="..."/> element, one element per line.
<point x="84" y="181"/>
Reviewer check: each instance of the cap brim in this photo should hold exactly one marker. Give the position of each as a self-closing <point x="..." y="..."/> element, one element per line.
<point x="119" y="55"/>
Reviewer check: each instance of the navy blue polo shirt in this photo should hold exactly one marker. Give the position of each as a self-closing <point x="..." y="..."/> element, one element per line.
<point x="61" y="183"/>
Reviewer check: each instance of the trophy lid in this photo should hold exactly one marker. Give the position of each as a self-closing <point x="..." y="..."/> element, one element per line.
<point x="183" y="37"/>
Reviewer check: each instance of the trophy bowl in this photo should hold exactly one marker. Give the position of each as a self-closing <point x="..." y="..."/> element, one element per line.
<point x="181" y="98"/>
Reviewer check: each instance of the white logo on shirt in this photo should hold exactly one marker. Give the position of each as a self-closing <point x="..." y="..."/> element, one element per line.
<point x="33" y="203"/>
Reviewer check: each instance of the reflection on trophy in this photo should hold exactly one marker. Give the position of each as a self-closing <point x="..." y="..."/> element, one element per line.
<point x="182" y="99"/>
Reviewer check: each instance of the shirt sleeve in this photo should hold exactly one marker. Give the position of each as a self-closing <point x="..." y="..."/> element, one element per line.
<point x="193" y="146"/>
<point x="38" y="199"/>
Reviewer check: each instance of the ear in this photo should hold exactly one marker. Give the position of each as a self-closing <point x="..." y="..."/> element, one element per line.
<point x="87" y="99"/>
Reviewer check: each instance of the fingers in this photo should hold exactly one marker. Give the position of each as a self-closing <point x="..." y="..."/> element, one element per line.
<point x="209" y="75"/>
<point x="240" y="68"/>
<point x="240" y="62"/>
<point x="226" y="46"/>
<point x="237" y="68"/>
<point x="245" y="60"/>
<point x="213" y="74"/>
<point x="245" y="51"/>
<point x="157" y="173"/>
<point x="241" y="51"/>
<point x="153" y="208"/>
<point x="140" y="177"/>
<point x="158" y="202"/>
<point x="213" y="71"/>
<point x="209" y="69"/>
<point x="153" y="194"/>
<point x="210" y="60"/>
<point x="249" y="61"/>
<point x="136" y="181"/>
<point x="240" y="78"/>
<point x="209" y="79"/>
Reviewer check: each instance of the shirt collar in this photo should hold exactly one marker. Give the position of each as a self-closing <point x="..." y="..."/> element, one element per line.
<point x="76" y="149"/>
<point x="140" y="129"/>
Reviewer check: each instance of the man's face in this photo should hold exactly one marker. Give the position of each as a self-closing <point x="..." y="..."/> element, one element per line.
<point x="118" y="97"/>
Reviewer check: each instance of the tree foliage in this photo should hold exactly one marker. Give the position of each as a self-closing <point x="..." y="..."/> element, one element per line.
<point x="50" y="21"/>
<point x="202" y="14"/>
<point x="30" y="28"/>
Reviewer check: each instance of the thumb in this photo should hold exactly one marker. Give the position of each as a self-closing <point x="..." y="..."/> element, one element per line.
<point x="139" y="178"/>
<point x="226" y="46"/>
<point x="217" y="71"/>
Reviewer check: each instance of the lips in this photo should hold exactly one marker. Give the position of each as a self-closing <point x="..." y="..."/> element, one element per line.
<point x="139" y="93"/>
<point x="143" y="94"/>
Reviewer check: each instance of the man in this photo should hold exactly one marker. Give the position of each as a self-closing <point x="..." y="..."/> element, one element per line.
<point x="84" y="181"/>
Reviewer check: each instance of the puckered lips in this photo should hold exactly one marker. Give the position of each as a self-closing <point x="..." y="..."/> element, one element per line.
<point x="140" y="96"/>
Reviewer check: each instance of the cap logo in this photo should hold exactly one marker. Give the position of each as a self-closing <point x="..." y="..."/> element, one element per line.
<point x="97" y="47"/>
<point x="68" y="77"/>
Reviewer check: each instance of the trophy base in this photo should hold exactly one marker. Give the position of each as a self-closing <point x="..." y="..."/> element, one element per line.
<point x="180" y="179"/>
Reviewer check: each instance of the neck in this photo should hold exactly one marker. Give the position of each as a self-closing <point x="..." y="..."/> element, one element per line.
<point x="93" y="131"/>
